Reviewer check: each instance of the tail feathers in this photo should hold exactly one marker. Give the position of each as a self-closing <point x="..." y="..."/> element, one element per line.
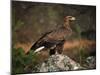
<point x="39" y="49"/>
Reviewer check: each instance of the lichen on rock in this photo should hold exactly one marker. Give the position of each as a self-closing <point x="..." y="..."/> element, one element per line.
<point x="59" y="62"/>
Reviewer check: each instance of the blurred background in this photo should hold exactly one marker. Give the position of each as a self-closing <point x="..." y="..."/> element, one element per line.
<point x="30" y="20"/>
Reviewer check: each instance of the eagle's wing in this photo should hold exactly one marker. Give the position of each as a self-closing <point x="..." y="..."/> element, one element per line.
<point x="40" y="41"/>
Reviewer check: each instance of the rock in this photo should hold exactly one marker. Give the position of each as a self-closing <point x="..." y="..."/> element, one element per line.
<point x="59" y="62"/>
<point x="91" y="62"/>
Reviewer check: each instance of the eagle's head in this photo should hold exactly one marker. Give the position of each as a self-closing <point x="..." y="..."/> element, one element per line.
<point x="69" y="18"/>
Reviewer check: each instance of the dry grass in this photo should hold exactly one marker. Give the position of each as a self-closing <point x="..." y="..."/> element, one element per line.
<point x="78" y="43"/>
<point x="74" y="48"/>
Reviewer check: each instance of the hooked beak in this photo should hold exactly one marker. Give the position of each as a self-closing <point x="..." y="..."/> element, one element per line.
<point x="73" y="18"/>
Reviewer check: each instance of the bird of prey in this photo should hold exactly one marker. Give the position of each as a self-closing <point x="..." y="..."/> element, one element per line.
<point x="54" y="39"/>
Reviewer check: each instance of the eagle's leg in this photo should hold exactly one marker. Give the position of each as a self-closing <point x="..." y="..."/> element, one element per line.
<point x="59" y="48"/>
<point x="52" y="50"/>
<point x="56" y="50"/>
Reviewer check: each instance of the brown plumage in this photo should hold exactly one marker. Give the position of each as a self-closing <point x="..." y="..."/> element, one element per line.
<point x="55" y="37"/>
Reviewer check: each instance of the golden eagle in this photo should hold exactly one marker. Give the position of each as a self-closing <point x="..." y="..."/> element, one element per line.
<point x="54" y="38"/>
